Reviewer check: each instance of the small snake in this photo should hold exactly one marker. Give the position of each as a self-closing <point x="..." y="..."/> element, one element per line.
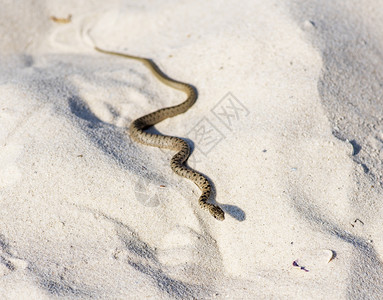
<point x="138" y="134"/>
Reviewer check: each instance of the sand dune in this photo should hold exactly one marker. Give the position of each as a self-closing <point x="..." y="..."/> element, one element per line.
<point x="287" y="126"/>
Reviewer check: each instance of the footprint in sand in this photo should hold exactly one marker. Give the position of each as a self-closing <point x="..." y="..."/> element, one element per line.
<point x="181" y="252"/>
<point x="146" y="195"/>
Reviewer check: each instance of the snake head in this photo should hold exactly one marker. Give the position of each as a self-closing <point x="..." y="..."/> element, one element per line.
<point x="217" y="213"/>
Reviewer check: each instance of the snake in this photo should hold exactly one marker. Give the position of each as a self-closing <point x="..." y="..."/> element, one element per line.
<point x="177" y="163"/>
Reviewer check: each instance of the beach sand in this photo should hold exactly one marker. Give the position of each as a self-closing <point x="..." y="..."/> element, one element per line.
<point x="288" y="127"/>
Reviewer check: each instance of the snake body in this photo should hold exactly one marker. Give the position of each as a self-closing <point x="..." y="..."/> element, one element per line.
<point x="177" y="163"/>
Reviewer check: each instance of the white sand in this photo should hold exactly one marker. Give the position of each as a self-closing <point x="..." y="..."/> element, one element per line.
<point x="87" y="213"/>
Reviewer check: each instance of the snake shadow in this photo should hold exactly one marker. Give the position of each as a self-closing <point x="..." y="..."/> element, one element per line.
<point x="232" y="210"/>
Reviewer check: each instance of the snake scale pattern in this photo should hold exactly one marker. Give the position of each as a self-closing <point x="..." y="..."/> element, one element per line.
<point x="138" y="134"/>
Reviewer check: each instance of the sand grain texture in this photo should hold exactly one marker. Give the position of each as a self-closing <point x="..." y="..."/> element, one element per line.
<point x="288" y="126"/>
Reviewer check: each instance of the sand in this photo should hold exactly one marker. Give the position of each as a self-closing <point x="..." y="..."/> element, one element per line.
<point x="288" y="126"/>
